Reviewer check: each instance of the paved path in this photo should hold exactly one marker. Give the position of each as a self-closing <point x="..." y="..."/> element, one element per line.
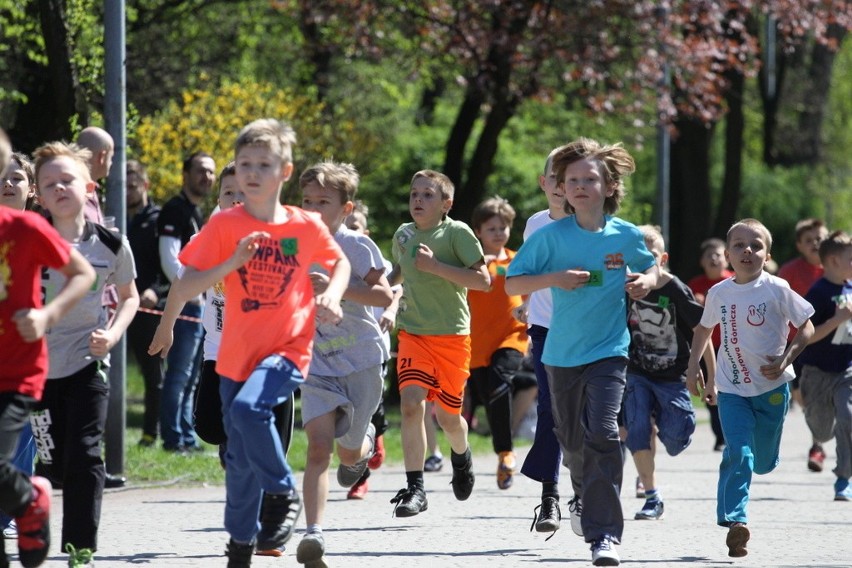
<point x="794" y="521"/>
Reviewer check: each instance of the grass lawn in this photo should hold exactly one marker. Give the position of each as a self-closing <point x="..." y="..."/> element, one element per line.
<point x="153" y="465"/>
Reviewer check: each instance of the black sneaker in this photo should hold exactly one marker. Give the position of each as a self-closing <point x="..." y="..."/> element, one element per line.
<point x="546" y="517"/>
<point x="463" y="480"/>
<point x="239" y="555"/>
<point x="278" y="516"/>
<point x="409" y="502"/>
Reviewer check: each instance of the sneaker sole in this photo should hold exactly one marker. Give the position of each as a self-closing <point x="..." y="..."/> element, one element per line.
<point x="411" y="512"/>
<point x="276" y="552"/>
<point x="842" y="498"/>
<point x="641" y="517"/>
<point x="311" y="553"/>
<point x="606" y="562"/>
<point x="547" y="526"/>
<point x="737" y="539"/>
<point x="815" y="467"/>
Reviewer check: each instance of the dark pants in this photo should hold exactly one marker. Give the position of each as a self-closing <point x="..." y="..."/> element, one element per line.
<point x="153" y="368"/>
<point x="68" y="426"/>
<point x="543" y="459"/>
<point x="16" y="491"/>
<point x="493" y="386"/>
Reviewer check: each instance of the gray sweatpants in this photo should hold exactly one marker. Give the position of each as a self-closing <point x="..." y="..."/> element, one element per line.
<point x="828" y="411"/>
<point x="586" y="401"/>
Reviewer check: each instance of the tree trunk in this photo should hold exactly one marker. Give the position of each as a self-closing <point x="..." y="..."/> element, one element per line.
<point x="734" y="132"/>
<point x="461" y="133"/>
<point x="690" y="196"/>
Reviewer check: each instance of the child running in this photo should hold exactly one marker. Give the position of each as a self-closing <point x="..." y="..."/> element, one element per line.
<point x="344" y="387"/>
<point x="262" y="251"/>
<point x="753" y="310"/>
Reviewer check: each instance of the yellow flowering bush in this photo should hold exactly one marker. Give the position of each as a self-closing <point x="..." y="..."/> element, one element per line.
<point x="209" y="121"/>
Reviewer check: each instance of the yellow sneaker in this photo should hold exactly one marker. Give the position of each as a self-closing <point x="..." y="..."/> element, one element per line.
<point x="506" y="465"/>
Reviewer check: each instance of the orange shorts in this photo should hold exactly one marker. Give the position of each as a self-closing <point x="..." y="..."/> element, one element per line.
<point x="438" y="363"/>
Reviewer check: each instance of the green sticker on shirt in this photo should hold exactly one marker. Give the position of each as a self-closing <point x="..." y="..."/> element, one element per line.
<point x="289" y="247"/>
<point x="663" y="302"/>
<point x="595" y="278"/>
<point x="501" y="271"/>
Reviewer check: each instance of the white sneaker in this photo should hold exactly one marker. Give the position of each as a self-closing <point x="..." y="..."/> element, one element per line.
<point x="603" y="552"/>
<point x="11" y="531"/>
<point x="575" y="509"/>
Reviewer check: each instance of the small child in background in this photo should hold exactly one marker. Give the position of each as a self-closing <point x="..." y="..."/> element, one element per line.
<point x="715" y="269"/>
<point x="69" y="422"/>
<point x="753" y="310"/>
<point x="345" y="383"/>
<point x="386" y="317"/>
<point x="497" y="340"/>
<point x="801" y="273"/>
<point x="826" y="379"/>
<point x="661" y="327"/>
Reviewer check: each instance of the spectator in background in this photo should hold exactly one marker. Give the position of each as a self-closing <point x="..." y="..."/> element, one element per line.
<point x="101" y="145"/>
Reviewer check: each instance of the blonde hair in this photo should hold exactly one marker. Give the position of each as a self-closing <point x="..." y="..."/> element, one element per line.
<point x="754" y="225"/>
<point x="338" y="176"/>
<point x="615" y="163"/>
<point x="279" y="137"/>
<point x="653" y="236"/>
<point x="52" y="150"/>
<point x="492" y="207"/>
<point x="441" y="182"/>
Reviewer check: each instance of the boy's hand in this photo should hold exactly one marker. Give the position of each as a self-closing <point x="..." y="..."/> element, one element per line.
<point x="571" y="279"/>
<point x="31" y="323"/>
<point x="424" y="259"/>
<point x="247" y="246"/>
<point x="710" y="394"/>
<point x="774" y="369"/>
<point x="148" y="298"/>
<point x="319" y="281"/>
<point x="521" y="313"/>
<point x="328" y="310"/>
<point x="638" y="285"/>
<point x="694" y="380"/>
<point x="100" y="342"/>
<point x="162" y="341"/>
<point x="387" y="321"/>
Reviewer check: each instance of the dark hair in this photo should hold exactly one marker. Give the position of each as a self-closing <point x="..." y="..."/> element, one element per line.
<point x="187" y="163"/>
<point x="833" y="244"/>
<point x="492" y="207"/>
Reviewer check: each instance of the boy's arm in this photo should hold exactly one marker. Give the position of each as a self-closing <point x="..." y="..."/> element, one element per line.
<point x="102" y="340"/>
<point x="525" y="284"/>
<point x="842" y="313"/>
<point x="195" y="282"/>
<point x="474" y="277"/>
<point x="395" y="275"/>
<point x="164" y="335"/>
<point x="32" y="323"/>
<point x="387" y="321"/>
<point x="377" y="291"/>
<point x="640" y="284"/>
<point x="328" y="302"/>
<point x="701" y="337"/>
<point x="776" y="365"/>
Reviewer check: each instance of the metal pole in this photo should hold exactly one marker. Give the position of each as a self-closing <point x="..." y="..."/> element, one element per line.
<point x="663" y="213"/>
<point x="116" y="205"/>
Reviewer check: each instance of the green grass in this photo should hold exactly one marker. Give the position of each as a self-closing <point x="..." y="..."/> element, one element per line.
<point x="155" y="466"/>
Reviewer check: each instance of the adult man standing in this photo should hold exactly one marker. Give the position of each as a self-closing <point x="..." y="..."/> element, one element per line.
<point x="99" y="142"/>
<point x="153" y="286"/>
<point x="179" y="220"/>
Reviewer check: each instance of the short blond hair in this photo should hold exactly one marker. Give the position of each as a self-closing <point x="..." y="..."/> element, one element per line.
<point x="338" y="176"/>
<point x="615" y="162"/>
<point x="441" y="182"/>
<point x="754" y="225"/>
<point x="278" y="137"/>
<point x="52" y="150"/>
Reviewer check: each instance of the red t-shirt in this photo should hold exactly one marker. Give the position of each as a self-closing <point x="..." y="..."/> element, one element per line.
<point x="269" y="302"/>
<point x="700" y="285"/>
<point x="27" y="244"/>
<point x="800" y="274"/>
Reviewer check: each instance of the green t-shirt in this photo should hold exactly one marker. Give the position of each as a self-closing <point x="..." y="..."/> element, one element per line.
<point x="431" y="305"/>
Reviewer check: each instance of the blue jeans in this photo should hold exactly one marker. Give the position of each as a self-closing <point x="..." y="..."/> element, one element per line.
<point x="255" y="460"/>
<point x="23" y="459"/>
<point x="179" y="383"/>
<point x="544" y="456"/>
<point x="668" y="403"/>
<point x="752" y="427"/>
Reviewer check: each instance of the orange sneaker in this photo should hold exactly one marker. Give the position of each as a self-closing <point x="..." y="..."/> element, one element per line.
<point x="506" y="465"/>
<point x="378" y="455"/>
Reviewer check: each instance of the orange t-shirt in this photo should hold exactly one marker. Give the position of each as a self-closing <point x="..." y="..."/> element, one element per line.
<point x="269" y="302"/>
<point x="492" y="325"/>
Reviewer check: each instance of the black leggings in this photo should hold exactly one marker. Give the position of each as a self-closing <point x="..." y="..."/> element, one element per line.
<point x="493" y="386"/>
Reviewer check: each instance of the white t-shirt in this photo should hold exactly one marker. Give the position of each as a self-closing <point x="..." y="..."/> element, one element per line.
<point x="753" y="319"/>
<point x="540" y="301"/>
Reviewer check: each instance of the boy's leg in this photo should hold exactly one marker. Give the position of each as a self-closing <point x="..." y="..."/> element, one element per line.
<point x="843" y="424"/>
<point x="153" y="369"/>
<point x="320" y="433"/>
<point x="187" y="404"/>
<point x="566" y="391"/>
<point x="86" y="399"/>
<point x="544" y="456"/>
<point x="208" y="406"/>
<point x="639" y="410"/>
<point x="15" y="488"/>
<point x="413" y="408"/>
<point x="818" y="388"/>
<point x="179" y="372"/>
<point x="770" y="410"/>
<point x="505" y="363"/>
<point x="737" y="465"/>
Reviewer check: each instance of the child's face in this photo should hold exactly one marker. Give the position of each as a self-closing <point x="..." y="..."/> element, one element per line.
<point x="426" y="204"/>
<point x="230" y="193"/>
<point x="62" y="187"/>
<point x="747" y="253"/>
<point x="661" y="256"/>
<point x="808" y="244"/>
<point x="358" y="223"/>
<point x="713" y="262"/>
<point x="327" y="203"/>
<point x="552" y="190"/>
<point x="840" y="264"/>
<point x="260" y="173"/>
<point x="494" y="234"/>
<point x="136" y="189"/>
<point x="585" y="188"/>
<point x="16" y="187"/>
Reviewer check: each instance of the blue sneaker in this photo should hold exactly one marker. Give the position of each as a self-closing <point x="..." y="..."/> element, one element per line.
<point x="652" y="511"/>
<point x="842" y="490"/>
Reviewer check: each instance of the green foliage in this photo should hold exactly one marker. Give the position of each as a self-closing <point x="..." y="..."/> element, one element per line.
<point x="84" y="19"/>
<point x="210" y="120"/>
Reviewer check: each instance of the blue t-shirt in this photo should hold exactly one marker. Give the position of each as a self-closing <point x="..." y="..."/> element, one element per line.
<point x="824" y="296"/>
<point x="589" y="323"/>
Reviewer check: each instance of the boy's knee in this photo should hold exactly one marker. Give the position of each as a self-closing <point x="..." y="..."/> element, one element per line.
<point x="243" y="412"/>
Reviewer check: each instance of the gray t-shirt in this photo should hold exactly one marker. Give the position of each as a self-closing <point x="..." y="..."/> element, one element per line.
<point x="68" y="341"/>
<point x="356" y="342"/>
